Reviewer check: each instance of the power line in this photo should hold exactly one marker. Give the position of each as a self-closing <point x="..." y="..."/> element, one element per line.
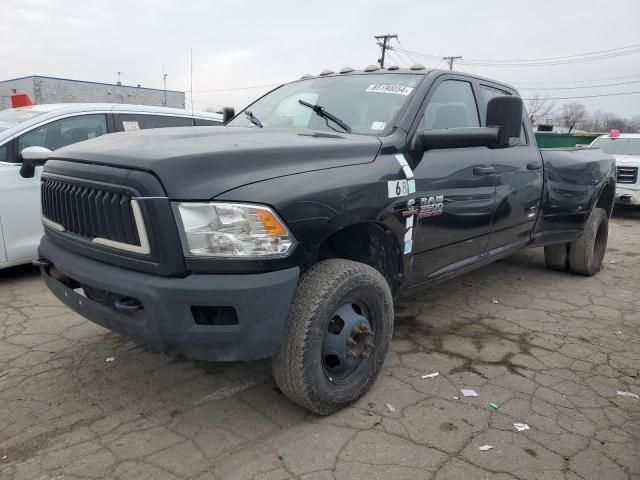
<point x="577" y="81"/>
<point x="580" y="87"/>
<point x="385" y="39"/>
<point x="578" y="58"/>
<point x="589" y="96"/>
<point x="635" y="46"/>
<point x="239" y="88"/>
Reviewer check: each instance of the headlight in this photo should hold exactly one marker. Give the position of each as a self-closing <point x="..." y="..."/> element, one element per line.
<point x="232" y="230"/>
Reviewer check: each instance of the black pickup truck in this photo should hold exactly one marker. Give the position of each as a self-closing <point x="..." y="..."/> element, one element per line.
<point x="288" y="232"/>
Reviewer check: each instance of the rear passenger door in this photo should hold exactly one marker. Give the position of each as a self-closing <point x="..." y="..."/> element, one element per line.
<point x="455" y="187"/>
<point x="519" y="182"/>
<point x="126" y="122"/>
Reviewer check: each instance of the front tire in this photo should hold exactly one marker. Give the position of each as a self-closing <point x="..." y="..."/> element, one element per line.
<point x="337" y="335"/>
<point x="587" y="253"/>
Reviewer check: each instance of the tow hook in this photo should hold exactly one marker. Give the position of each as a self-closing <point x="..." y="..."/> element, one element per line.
<point x="127" y="304"/>
<point x="41" y="262"/>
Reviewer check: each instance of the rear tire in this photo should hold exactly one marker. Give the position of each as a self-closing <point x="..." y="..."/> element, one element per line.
<point x="586" y="253"/>
<point x="557" y="257"/>
<point x="329" y="357"/>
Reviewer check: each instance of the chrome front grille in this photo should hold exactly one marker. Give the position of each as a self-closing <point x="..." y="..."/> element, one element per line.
<point x="627" y="174"/>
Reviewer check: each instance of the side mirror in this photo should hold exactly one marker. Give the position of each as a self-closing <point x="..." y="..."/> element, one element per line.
<point x="455" y="138"/>
<point x="33" y="157"/>
<point x="505" y="112"/>
<point x="227" y="114"/>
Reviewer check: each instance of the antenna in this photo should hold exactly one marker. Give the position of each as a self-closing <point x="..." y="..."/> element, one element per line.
<point x="192" y="81"/>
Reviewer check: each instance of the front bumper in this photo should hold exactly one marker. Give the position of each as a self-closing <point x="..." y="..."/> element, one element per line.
<point x="627" y="194"/>
<point x="165" y="321"/>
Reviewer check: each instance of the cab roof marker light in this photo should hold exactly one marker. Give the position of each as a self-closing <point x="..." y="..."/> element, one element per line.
<point x="326" y="72"/>
<point x="615" y="133"/>
<point x="305" y="76"/>
<point x="393" y="67"/>
<point x="372" y="68"/>
<point x="347" y="70"/>
<point x="417" y="66"/>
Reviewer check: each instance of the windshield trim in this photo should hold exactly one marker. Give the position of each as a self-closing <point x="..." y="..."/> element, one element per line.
<point x="391" y="125"/>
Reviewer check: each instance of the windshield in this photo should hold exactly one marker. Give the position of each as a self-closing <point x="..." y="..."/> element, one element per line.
<point x="367" y="104"/>
<point x="618" y="146"/>
<point x="12" y="116"/>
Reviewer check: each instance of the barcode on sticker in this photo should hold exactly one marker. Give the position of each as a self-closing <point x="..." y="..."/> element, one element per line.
<point x="397" y="188"/>
<point x="395" y="89"/>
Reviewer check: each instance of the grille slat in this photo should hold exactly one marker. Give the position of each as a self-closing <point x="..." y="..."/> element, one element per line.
<point x="89" y="212"/>
<point x="627" y="174"/>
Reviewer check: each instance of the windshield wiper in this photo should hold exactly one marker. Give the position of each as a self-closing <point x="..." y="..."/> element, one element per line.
<point x="321" y="112"/>
<point x="255" y="120"/>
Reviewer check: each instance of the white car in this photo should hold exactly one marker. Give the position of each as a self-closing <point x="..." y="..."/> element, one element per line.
<point x="625" y="147"/>
<point x="49" y="127"/>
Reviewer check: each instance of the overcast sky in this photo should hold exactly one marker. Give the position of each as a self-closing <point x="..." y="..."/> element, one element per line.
<point x="246" y="43"/>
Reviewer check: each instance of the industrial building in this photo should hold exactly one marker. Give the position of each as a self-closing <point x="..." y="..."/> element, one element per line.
<point x="62" y="90"/>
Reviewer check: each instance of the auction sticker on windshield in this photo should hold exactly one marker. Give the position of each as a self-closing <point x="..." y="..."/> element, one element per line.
<point x="395" y="89"/>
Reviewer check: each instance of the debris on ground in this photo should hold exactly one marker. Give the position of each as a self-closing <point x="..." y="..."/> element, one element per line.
<point x="431" y="375"/>
<point x="618" y="332"/>
<point x="110" y="359"/>
<point x="494" y="300"/>
<point x="390" y="407"/>
<point x="484" y="448"/>
<point x="494" y="405"/>
<point x="521" y="426"/>
<point x="467" y="392"/>
<point x="456" y="398"/>
<point x="4" y="457"/>
<point x="628" y="394"/>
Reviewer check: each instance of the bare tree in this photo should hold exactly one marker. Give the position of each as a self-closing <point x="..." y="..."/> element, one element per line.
<point x="539" y="108"/>
<point x="571" y="114"/>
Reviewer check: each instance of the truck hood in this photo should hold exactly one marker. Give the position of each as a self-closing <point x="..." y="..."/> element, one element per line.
<point x="198" y="163"/>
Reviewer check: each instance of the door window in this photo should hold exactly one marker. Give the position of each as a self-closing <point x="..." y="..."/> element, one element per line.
<point x="452" y="105"/>
<point x="66" y="131"/>
<point x="134" y="121"/>
<point x="490" y="92"/>
<point x="4" y="153"/>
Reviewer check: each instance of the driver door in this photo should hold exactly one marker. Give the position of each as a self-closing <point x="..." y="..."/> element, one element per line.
<point x="455" y="187"/>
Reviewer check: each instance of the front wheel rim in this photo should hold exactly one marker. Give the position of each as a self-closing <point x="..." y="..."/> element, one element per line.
<point x="348" y="341"/>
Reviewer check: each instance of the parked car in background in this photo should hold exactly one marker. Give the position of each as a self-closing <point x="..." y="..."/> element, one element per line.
<point x="49" y="127"/>
<point x="625" y="147"/>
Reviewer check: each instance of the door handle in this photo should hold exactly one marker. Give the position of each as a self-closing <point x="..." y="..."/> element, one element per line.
<point x="483" y="170"/>
<point x="534" y="166"/>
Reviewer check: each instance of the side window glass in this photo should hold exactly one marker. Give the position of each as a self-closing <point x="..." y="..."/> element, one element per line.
<point x="132" y="121"/>
<point x="3" y="153"/>
<point x="203" y="122"/>
<point x="64" y="132"/>
<point x="488" y="93"/>
<point x="453" y="105"/>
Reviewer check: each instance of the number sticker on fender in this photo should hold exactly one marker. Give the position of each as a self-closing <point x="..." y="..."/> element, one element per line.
<point x="397" y="188"/>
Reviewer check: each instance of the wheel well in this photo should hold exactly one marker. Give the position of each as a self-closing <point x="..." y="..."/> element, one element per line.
<point x="367" y="243"/>
<point x="605" y="200"/>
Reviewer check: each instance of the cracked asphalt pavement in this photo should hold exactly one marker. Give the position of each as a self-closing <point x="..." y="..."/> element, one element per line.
<point x="550" y="349"/>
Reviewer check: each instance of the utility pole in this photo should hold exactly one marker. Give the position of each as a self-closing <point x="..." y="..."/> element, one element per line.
<point x="451" y="60"/>
<point x="119" y="82"/>
<point x="164" y="78"/>
<point x="384" y="39"/>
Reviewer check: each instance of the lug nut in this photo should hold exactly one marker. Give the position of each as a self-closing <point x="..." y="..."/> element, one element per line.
<point x="351" y="342"/>
<point x="351" y="354"/>
<point x="368" y="344"/>
<point x="364" y="355"/>
<point x="356" y="330"/>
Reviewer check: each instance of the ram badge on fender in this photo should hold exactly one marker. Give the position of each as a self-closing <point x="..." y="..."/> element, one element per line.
<point x="288" y="232"/>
